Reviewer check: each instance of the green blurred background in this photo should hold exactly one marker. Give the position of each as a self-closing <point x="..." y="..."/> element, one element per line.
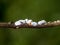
<point x="12" y="10"/>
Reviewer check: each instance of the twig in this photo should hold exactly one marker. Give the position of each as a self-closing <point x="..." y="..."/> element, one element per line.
<point x="11" y="25"/>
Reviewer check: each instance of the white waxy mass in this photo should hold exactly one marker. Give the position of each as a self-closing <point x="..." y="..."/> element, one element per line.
<point x="29" y="22"/>
<point x="26" y="20"/>
<point x="34" y="23"/>
<point x="17" y="23"/>
<point x="22" y="21"/>
<point x="41" y="22"/>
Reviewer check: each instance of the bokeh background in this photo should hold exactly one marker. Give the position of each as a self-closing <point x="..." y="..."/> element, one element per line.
<point x="12" y="10"/>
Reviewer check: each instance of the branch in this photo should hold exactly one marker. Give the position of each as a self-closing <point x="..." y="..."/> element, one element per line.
<point x="11" y="25"/>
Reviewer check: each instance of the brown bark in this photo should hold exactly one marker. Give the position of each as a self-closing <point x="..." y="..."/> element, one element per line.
<point x="11" y="25"/>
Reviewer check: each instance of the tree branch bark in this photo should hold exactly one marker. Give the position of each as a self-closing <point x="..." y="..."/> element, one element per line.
<point x="11" y="25"/>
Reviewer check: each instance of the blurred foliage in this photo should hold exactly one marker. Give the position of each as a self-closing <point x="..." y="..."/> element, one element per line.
<point x="12" y="10"/>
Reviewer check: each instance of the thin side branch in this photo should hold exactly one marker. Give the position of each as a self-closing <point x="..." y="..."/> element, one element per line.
<point x="11" y="25"/>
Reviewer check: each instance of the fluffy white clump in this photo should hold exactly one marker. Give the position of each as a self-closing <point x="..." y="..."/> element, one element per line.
<point x="26" y="20"/>
<point x="17" y="23"/>
<point x="34" y="23"/>
<point x="22" y="21"/>
<point x="41" y="22"/>
<point x="29" y="22"/>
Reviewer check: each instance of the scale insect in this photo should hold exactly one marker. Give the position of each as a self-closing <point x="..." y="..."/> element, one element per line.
<point x="29" y="22"/>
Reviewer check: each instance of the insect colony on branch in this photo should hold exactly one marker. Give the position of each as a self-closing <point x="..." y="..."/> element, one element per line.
<point x="29" y="22"/>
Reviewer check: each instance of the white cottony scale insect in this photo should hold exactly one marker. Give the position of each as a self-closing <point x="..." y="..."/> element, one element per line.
<point x="33" y="23"/>
<point x="41" y="22"/>
<point x="29" y="22"/>
<point x="22" y="21"/>
<point x="17" y="23"/>
<point x="26" y="20"/>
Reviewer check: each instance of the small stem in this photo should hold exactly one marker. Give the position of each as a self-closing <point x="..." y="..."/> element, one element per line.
<point x="11" y="25"/>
